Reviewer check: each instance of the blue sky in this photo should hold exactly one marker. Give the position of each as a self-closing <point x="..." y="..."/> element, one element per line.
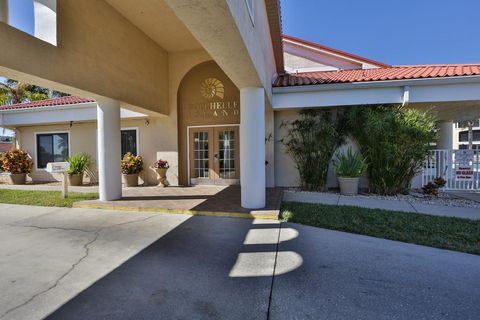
<point x="395" y="32"/>
<point x="21" y="15"/>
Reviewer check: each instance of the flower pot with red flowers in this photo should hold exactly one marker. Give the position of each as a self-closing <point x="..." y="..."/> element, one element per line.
<point x="161" y="166"/>
<point x="131" y="166"/>
<point x="18" y="163"/>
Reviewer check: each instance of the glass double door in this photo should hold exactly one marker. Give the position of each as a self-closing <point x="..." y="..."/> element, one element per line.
<point x="214" y="155"/>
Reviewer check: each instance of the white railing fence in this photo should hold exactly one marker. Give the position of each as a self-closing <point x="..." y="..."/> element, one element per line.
<point x="460" y="168"/>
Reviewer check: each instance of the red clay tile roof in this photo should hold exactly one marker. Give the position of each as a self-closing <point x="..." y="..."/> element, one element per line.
<point x="47" y="103"/>
<point x="380" y="74"/>
<point x="335" y="51"/>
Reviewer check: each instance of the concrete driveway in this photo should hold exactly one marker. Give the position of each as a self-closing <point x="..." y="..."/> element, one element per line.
<point x="112" y="265"/>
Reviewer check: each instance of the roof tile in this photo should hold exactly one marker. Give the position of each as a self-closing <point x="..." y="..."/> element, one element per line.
<point x="48" y="103"/>
<point x="380" y="74"/>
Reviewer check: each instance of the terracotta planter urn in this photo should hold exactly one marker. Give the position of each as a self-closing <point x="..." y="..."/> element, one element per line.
<point x="75" y="179"/>
<point x="348" y="186"/>
<point x="18" y="178"/>
<point x="130" y="180"/>
<point x="162" y="174"/>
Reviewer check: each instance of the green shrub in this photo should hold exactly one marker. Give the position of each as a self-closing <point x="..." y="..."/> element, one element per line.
<point x="395" y="141"/>
<point x="351" y="165"/>
<point x="311" y="141"/>
<point x="79" y="162"/>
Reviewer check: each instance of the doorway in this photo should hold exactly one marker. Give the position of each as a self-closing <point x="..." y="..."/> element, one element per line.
<point x="214" y="155"/>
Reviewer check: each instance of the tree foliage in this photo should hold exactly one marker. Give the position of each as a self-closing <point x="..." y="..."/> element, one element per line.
<point x="394" y="140"/>
<point x="12" y="91"/>
<point x="311" y="140"/>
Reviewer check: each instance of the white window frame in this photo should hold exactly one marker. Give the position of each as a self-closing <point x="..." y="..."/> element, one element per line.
<point x="251" y="10"/>
<point x="49" y="132"/>
<point x="137" y="133"/>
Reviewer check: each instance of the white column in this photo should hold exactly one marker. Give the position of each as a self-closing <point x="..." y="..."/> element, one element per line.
<point x="109" y="149"/>
<point x="445" y="131"/>
<point x="252" y="147"/>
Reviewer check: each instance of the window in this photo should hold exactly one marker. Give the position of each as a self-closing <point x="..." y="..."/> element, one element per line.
<point x="129" y="141"/>
<point x="463" y="136"/>
<point x="51" y="147"/>
<point x="251" y="12"/>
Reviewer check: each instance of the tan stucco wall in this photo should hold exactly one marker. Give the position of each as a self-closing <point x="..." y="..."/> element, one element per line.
<point x="99" y="52"/>
<point x="154" y="140"/>
<point x="82" y="138"/>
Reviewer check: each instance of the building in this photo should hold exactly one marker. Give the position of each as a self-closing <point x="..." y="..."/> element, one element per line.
<point x="209" y="84"/>
<point x="461" y="132"/>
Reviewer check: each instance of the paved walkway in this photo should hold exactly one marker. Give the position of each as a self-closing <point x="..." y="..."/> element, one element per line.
<point x="100" y="264"/>
<point x="201" y="199"/>
<point x="395" y="205"/>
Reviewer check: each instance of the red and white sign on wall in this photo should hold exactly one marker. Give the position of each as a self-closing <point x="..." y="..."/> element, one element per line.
<point x="464" y="165"/>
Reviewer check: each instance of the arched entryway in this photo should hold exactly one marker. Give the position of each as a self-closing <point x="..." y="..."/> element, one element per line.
<point x="208" y="127"/>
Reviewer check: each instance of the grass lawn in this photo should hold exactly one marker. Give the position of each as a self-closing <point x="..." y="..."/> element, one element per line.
<point x="43" y="198"/>
<point x="434" y="231"/>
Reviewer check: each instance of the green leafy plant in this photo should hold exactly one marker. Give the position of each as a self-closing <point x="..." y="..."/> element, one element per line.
<point x="311" y="141"/>
<point x="131" y="164"/>
<point x="395" y="141"/>
<point x="16" y="161"/>
<point x="349" y="164"/>
<point x="79" y="162"/>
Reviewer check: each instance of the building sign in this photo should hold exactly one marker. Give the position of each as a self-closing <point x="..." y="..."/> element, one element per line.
<point x="464" y="165"/>
<point x="214" y="90"/>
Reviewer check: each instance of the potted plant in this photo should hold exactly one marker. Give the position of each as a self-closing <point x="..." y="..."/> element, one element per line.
<point x="131" y="166"/>
<point x="79" y="162"/>
<point x="161" y="166"/>
<point x="349" y="167"/>
<point x="18" y="163"/>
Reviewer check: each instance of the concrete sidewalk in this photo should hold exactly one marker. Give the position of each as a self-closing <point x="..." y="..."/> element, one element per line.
<point x="393" y="205"/>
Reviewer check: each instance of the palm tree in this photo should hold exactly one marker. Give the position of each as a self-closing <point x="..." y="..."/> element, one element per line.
<point x="12" y="91"/>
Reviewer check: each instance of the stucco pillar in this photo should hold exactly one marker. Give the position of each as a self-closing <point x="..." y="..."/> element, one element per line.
<point x="109" y="149"/>
<point x="252" y="147"/>
<point x="445" y="138"/>
<point x="4" y="11"/>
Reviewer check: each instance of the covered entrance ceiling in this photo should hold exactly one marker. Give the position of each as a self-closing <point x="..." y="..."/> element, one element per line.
<point x="158" y="22"/>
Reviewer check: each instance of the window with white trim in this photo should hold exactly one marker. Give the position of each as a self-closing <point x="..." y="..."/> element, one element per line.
<point x="52" y="147"/>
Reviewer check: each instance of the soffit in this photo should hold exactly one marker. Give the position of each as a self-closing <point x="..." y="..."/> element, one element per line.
<point x="158" y="22"/>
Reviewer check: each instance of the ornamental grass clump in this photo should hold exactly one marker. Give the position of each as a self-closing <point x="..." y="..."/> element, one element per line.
<point x="311" y="141"/>
<point x="16" y="161"/>
<point x="79" y="163"/>
<point x="395" y="141"/>
<point x="131" y="164"/>
<point x="349" y="164"/>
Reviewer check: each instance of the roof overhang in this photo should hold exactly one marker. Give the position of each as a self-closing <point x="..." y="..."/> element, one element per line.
<point x="83" y="112"/>
<point x="431" y="92"/>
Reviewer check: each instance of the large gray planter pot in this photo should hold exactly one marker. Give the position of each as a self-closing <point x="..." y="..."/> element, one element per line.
<point x="75" y="179"/>
<point x="18" y="178"/>
<point x="130" y="180"/>
<point x="348" y="186"/>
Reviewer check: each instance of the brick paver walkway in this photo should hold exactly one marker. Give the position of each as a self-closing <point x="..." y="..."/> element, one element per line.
<point x="214" y="200"/>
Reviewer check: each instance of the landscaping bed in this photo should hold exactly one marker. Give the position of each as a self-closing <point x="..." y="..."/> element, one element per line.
<point x="434" y="231"/>
<point x="415" y="196"/>
<point x="43" y="198"/>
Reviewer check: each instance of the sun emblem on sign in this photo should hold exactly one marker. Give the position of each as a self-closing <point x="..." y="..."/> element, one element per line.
<point x="212" y="87"/>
